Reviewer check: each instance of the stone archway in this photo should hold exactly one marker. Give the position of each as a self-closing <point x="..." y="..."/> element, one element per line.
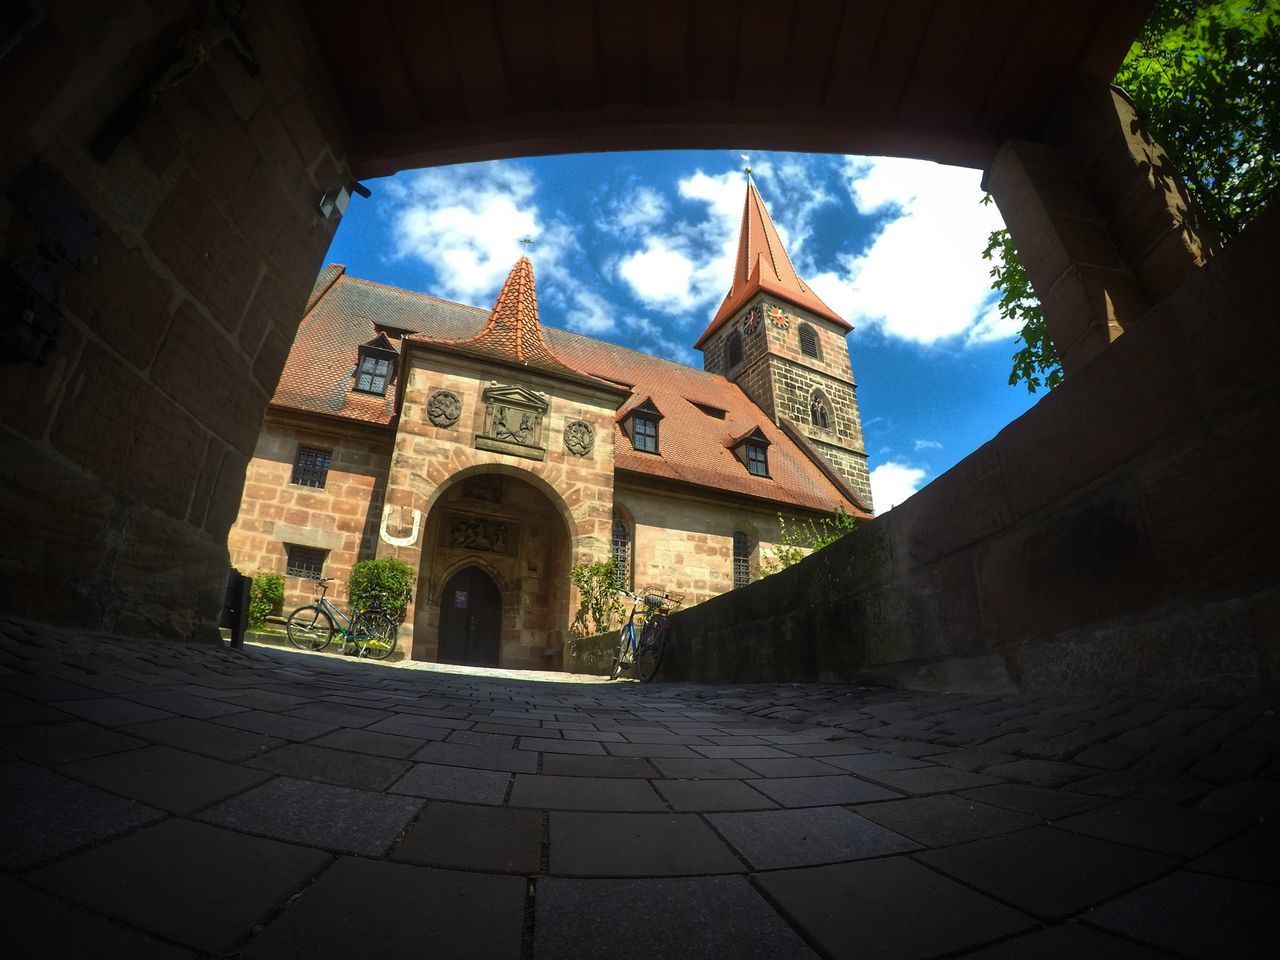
<point x="512" y="533"/>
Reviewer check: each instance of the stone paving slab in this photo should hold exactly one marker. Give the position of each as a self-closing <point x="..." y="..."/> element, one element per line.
<point x="366" y="741"/>
<point x="163" y="777"/>
<point x="185" y="881"/>
<point x="942" y="820"/>
<point x="439" y="782"/>
<point x="1067" y="941"/>
<point x="65" y="931"/>
<point x="211" y="739"/>
<point x="712" y="795"/>
<point x="1173" y="830"/>
<point x="705" y="918"/>
<point x="821" y="791"/>
<point x="771" y="839"/>
<point x="360" y="908"/>
<point x="44" y="815"/>
<point x="111" y="711"/>
<point x="480" y="758"/>
<point x="278" y="725"/>
<point x="489" y="839"/>
<point x="1251" y="856"/>
<point x="636" y="845"/>
<point x="55" y="743"/>
<point x="318" y="815"/>
<point x="1047" y="872"/>
<point x="1193" y="914"/>
<point x="887" y="909"/>
<point x="341" y="767"/>
<point x="584" y="793"/>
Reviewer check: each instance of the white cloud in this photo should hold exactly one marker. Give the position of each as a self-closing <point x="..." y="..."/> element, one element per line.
<point x="661" y="274"/>
<point x="927" y="445"/>
<point x="923" y="278"/>
<point x="589" y="313"/>
<point x="643" y="208"/>
<point x="466" y="223"/>
<point x="893" y="482"/>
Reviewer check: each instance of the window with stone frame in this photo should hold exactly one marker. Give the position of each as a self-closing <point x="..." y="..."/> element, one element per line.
<point x="757" y="459"/>
<point x="820" y="410"/>
<point x="733" y="349"/>
<point x="311" y="467"/>
<point x="305" y="562"/>
<point x="373" y="374"/>
<point x="621" y="552"/>
<point x="809" y="342"/>
<point x="644" y="433"/>
<point x="741" y="559"/>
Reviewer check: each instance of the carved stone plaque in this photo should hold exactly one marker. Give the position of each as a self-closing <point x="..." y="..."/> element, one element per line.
<point x="485" y="486"/>
<point x="471" y="533"/>
<point x="578" y="438"/>
<point x="444" y="408"/>
<point x="513" y="422"/>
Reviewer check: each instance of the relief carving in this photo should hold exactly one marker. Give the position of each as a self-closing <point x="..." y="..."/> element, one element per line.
<point x="513" y="422"/>
<point x="485" y="486"/>
<point x="444" y="408"/>
<point x="486" y="535"/>
<point x="578" y="438"/>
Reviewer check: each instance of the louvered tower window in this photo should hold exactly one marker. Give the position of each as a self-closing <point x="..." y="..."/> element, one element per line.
<point x="741" y="559"/>
<point x="733" y="348"/>
<point x="809" y="341"/>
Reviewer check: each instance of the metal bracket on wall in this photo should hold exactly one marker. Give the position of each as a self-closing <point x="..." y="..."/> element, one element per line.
<point x="39" y="193"/>
<point x="30" y="308"/>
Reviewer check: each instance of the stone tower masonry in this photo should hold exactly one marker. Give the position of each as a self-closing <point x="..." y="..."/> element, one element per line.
<point x="787" y="350"/>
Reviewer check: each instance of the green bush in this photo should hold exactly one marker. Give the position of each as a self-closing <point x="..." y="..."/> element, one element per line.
<point x="386" y="583"/>
<point x="599" y="606"/>
<point x="800" y="538"/>
<point x="266" y="597"/>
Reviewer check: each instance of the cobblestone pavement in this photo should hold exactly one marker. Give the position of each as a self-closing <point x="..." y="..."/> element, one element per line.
<point x="162" y="800"/>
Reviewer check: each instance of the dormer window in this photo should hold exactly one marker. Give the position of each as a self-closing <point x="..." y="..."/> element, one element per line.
<point x="752" y="451"/>
<point x="376" y="366"/>
<point x="644" y="426"/>
<point x="644" y="433"/>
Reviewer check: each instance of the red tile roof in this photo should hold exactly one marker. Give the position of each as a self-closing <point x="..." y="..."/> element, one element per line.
<point x="694" y="445"/>
<point x="763" y="266"/>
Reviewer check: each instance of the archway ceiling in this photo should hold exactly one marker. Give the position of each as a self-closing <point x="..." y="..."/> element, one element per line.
<point x="428" y="83"/>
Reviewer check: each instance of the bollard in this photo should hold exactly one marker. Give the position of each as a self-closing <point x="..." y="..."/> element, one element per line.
<point x="235" y="607"/>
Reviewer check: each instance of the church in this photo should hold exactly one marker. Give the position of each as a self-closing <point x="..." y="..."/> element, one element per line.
<point x="492" y="453"/>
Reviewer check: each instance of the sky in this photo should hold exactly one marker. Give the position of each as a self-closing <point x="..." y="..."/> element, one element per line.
<point x="638" y="249"/>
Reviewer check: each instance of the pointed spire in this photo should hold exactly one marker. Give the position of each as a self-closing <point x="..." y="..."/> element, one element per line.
<point x="513" y="332"/>
<point x="762" y="265"/>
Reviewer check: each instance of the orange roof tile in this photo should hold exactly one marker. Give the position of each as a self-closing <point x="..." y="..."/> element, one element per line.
<point x="694" y="443"/>
<point x="762" y="266"/>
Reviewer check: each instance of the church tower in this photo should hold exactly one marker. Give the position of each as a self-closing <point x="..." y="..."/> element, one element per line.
<point x="786" y="349"/>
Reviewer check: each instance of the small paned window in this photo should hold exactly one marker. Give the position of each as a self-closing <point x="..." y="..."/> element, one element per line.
<point x="741" y="559"/>
<point x="818" y="412"/>
<point x="757" y="460"/>
<point x="304" y="561"/>
<point x="621" y="553"/>
<point x="373" y="374"/>
<point x="644" y="433"/>
<point x="311" y="467"/>
<point x="808" y="341"/>
<point x="734" y="349"/>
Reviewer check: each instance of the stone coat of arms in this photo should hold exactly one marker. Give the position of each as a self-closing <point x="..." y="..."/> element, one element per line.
<point x="444" y="408"/>
<point x="578" y="438"/>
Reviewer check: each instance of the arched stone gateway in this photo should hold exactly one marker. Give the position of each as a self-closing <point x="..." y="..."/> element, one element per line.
<point x="493" y="575"/>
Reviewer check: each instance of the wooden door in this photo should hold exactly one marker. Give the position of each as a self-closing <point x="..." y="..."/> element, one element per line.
<point x="470" y="619"/>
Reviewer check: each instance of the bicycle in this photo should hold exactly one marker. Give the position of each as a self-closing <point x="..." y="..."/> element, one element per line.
<point x="644" y="652"/>
<point x="372" y="632"/>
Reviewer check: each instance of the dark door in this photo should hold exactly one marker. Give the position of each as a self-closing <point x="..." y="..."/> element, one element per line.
<point x="470" y="619"/>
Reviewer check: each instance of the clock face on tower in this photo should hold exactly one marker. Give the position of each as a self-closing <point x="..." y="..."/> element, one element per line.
<point x="751" y="320"/>
<point x="778" y="317"/>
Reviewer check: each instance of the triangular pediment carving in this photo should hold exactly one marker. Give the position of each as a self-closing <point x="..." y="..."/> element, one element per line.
<point x="517" y="396"/>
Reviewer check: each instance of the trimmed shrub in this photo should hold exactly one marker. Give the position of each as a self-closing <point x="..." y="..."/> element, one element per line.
<point x="266" y="597"/>
<point x="386" y="583"/>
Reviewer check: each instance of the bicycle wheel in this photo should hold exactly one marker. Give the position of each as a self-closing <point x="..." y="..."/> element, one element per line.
<point x="309" y="628"/>
<point x="374" y="632"/>
<point x="621" y="655"/>
<point x="649" y="649"/>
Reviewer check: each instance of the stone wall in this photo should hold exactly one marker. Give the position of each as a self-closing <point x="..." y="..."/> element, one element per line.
<point x="122" y="456"/>
<point x="340" y="518"/>
<point x="685" y="545"/>
<point x="1120" y="536"/>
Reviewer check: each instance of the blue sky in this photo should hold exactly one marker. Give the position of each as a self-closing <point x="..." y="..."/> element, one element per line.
<point x="637" y="248"/>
